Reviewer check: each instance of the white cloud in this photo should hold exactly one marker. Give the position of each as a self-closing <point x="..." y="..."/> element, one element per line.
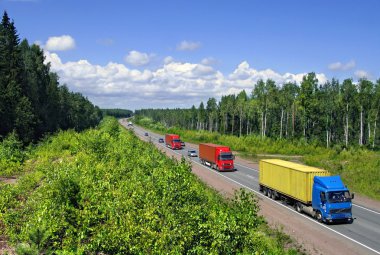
<point x="174" y="84"/>
<point x="186" y="45"/>
<point x="136" y="58"/>
<point x="338" y="66"/>
<point x="168" y="59"/>
<point x="105" y="41"/>
<point x="209" y="61"/>
<point x="245" y="75"/>
<point x="362" y="74"/>
<point x="60" y="43"/>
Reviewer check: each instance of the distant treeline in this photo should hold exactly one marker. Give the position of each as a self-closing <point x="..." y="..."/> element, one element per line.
<point x="32" y="102"/>
<point x="117" y="113"/>
<point x="334" y="113"/>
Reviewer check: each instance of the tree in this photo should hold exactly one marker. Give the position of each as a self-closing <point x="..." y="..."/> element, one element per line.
<point x="308" y="102"/>
<point x="348" y="100"/>
<point x="259" y="93"/>
<point x="201" y="117"/>
<point x="241" y="104"/>
<point x="288" y="94"/>
<point x="212" y="113"/>
<point x="376" y="109"/>
<point x="364" y="95"/>
<point x="14" y="104"/>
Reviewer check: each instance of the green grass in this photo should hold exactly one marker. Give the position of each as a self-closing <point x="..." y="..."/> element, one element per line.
<point x="358" y="167"/>
<point x="103" y="191"/>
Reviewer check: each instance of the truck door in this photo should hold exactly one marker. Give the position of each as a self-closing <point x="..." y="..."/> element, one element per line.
<point x="323" y="202"/>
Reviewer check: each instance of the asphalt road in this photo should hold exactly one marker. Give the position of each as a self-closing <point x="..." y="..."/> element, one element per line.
<point x="364" y="231"/>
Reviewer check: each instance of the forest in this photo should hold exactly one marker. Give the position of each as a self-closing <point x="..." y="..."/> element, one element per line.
<point x="334" y="113"/>
<point x="32" y="101"/>
<point x="117" y="113"/>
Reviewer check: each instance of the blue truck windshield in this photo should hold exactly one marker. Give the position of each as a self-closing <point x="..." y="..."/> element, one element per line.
<point x="338" y="196"/>
<point x="226" y="156"/>
<point x="176" y="141"/>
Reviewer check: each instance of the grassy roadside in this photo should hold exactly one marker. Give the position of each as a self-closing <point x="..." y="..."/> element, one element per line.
<point x="103" y="191"/>
<point x="359" y="168"/>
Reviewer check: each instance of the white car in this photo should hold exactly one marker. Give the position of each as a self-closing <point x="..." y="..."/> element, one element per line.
<point x="192" y="153"/>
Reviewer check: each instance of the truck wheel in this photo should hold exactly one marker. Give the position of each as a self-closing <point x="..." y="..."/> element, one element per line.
<point x="298" y="207"/>
<point x="270" y="193"/>
<point x="265" y="191"/>
<point x="274" y="195"/>
<point x="318" y="216"/>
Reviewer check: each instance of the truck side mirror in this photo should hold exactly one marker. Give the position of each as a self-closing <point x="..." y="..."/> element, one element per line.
<point x="352" y="195"/>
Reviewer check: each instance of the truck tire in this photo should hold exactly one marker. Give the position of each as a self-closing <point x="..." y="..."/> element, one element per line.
<point x="270" y="193"/>
<point x="265" y="191"/>
<point x="274" y="195"/>
<point x="298" y="207"/>
<point x="318" y="216"/>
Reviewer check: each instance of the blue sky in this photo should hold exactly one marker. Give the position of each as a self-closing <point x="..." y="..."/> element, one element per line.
<point x="139" y="54"/>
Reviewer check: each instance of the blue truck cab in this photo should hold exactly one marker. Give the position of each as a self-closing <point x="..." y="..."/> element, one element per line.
<point x="331" y="200"/>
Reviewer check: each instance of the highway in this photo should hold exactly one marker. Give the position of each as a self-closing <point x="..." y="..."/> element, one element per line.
<point x="364" y="231"/>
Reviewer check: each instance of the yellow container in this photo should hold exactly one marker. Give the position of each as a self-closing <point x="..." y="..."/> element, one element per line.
<point x="288" y="178"/>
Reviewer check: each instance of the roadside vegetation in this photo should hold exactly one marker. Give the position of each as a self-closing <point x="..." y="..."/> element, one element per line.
<point x="32" y="101"/>
<point x="358" y="167"/>
<point x="104" y="191"/>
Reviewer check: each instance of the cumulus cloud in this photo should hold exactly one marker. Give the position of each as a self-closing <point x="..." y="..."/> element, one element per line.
<point x="174" y="84"/>
<point x="209" y="61"/>
<point x="362" y="74"/>
<point x="60" y="43"/>
<point x="136" y="58"/>
<point x="168" y="59"/>
<point x="188" y="46"/>
<point x="245" y="75"/>
<point x="338" y="66"/>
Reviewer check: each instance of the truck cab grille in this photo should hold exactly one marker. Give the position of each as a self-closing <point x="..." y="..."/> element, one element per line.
<point x="343" y="210"/>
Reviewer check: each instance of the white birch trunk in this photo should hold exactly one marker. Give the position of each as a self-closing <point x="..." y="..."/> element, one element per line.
<point x="361" y="127"/>
<point x="240" y="122"/>
<point x="262" y="124"/>
<point x="282" y="116"/>
<point x="374" y="133"/>
<point x="346" y="125"/>
<point x="265" y="124"/>
<point x="327" y="138"/>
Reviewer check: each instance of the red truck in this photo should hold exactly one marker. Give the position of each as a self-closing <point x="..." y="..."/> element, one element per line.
<point x="173" y="142"/>
<point x="218" y="157"/>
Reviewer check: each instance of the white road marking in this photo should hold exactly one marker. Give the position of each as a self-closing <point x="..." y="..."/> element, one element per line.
<point x="364" y="208"/>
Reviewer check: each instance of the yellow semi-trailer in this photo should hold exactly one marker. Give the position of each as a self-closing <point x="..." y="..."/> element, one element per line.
<point x="309" y="189"/>
<point x="291" y="179"/>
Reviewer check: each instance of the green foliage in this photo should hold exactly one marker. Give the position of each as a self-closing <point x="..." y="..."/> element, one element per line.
<point x="104" y="191"/>
<point x="32" y="102"/>
<point x="11" y="155"/>
<point x="117" y="113"/>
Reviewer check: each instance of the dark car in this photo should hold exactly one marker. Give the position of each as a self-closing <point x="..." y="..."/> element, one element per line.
<point x="182" y="144"/>
<point x="161" y="140"/>
<point x="192" y="153"/>
<point x="146" y="134"/>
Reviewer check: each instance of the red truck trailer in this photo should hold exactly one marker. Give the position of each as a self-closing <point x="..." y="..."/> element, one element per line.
<point x="218" y="157"/>
<point x="173" y="141"/>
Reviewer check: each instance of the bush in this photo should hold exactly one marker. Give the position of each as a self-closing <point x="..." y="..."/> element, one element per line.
<point x="125" y="197"/>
